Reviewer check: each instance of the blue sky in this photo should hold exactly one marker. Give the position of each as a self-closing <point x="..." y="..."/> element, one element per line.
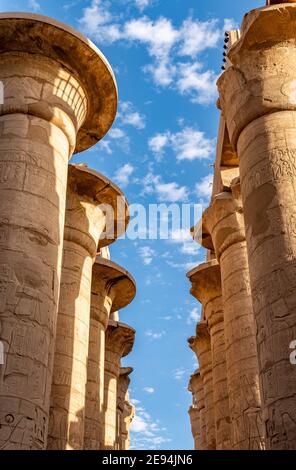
<point x="166" y="55"/>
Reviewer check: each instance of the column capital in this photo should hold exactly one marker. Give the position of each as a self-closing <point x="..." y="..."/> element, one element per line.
<point x="259" y="84"/>
<point x="86" y="222"/>
<point x="123" y="384"/>
<point x="37" y="35"/>
<point x="112" y="281"/>
<point x="224" y="220"/>
<point x="195" y="382"/>
<point x="119" y="338"/>
<point x="201" y="342"/>
<point x="206" y="281"/>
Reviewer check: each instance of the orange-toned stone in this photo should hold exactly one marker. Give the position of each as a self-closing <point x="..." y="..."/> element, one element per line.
<point x="257" y="97"/>
<point x="119" y="343"/>
<point x="206" y="288"/>
<point x="224" y="221"/>
<point x="113" y="288"/>
<point x="201" y="345"/>
<point x="59" y="97"/>
<point x="85" y="222"/>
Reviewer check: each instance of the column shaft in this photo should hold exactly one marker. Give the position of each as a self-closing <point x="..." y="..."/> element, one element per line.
<point x="268" y="184"/>
<point x="220" y="386"/>
<point x="257" y="98"/>
<point x="34" y="153"/>
<point x="84" y="224"/>
<point x="241" y="351"/>
<point x="94" y="418"/>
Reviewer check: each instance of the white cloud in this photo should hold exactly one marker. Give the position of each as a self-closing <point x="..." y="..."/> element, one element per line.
<point x="147" y="254"/>
<point x="167" y="45"/>
<point x="165" y="192"/>
<point x="142" y="4"/>
<point x="149" y="390"/>
<point x="179" y="373"/>
<point x="172" y="192"/>
<point x="98" y="23"/>
<point x="187" y="266"/>
<point x="187" y="245"/>
<point x="199" y="85"/>
<point x="116" y="133"/>
<point x="122" y="175"/>
<point x="127" y="115"/>
<point x="146" y="433"/>
<point x="187" y="144"/>
<point x="34" y="5"/>
<point x="155" y="335"/>
<point x="158" y="143"/>
<point x="194" y="316"/>
<point x="204" y="187"/>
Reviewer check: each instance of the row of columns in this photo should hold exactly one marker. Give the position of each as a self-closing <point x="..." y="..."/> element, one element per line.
<point x="248" y="285"/>
<point x="62" y="385"/>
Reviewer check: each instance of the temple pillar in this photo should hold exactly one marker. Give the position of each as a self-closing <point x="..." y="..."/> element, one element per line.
<point x="125" y="410"/>
<point x="119" y="343"/>
<point x="113" y="288"/>
<point x="257" y="96"/>
<point x="201" y="345"/>
<point x="197" y="412"/>
<point x="224" y="222"/>
<point x="85" y="223"/>
<point x="55" y="102"/>
<point x="206" y="288"/>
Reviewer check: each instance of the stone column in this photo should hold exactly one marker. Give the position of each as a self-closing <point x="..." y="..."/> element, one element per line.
<point x="201" y="345"/>
<point x="125" y="409"/>
<point x="257" y="96"/>
<point x="112" y="289"/>
<point x="55" y="102"/>
<point x="197" y="411"/>
<point x="224" y="221"/>
<point x="206" y="288"/>
<point x="119" y="342"/>
<point x="85" y="223"/>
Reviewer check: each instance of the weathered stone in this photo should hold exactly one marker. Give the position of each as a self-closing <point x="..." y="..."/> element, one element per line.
<point x="201" y="345"/>
<point x="119" y="342"/>
<point x="257" y="97"/>
<point x="206" y="288"/>
<point x="224" y="220"/>
<point x="197" y="411"/>
<point x="55" y="102"/>
<point x="113" y="288"/>
<point x="85" y="223"/>
<point x="125" y="410"/>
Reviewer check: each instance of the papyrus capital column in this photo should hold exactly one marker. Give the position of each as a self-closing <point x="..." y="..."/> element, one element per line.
<point x="224" y="221"/>
<point x="119" y="343"/>
<point x="206" y="288"/>
<point x="59" y="97"/>
<point x="257" y="96"/>
<point x="113" y="288"/>
<point x="125" y="409"/>
<point x="85" y="224"/>
<point x="197" y="411"/>
<point x="201" y="345"/>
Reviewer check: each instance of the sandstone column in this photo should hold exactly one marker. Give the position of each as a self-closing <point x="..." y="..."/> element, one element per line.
<point x="206" y="288"/>
<point x="257" y="96"/>
<point x="119" y="342"/>
<point x="224" y="221"/>
<point x="59" y="97"/>
<point x="112" y="289"/>
<point x="197" y="411"/>
<point x="85" y="222"/>
<point x="125" y="409"/>
<point x="201" y="345"/>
